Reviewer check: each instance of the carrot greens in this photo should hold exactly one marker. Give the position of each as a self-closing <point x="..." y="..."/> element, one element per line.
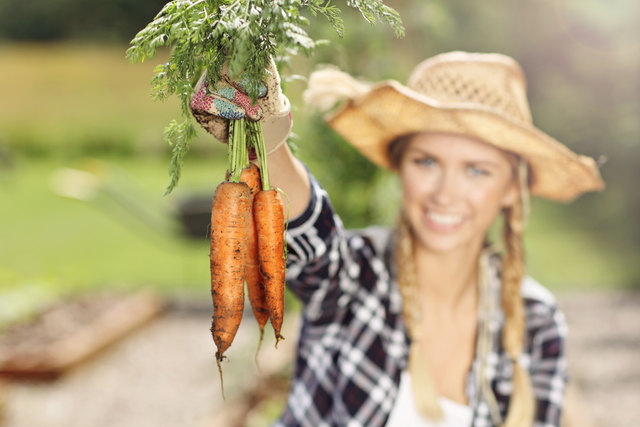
<point x="256" y="136"/>
<point x="205" y="34"/>
<point x="238" y="155"/>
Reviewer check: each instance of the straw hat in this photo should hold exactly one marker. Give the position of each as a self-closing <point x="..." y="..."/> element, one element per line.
<point x="474" y="94"/>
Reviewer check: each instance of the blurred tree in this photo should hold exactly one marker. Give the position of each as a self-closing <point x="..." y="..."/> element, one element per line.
<point x="46" y="20"/>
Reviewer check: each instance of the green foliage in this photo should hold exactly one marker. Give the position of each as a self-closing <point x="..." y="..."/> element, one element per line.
<point x="178" y="135"/>
<point x="70" y="100"/>
<point x="53" y="245"/>
<point x="74" y="19"/>
<point x="335" y="163"/>
<point x="243" y="35"/>
<point x="330" y="12"/>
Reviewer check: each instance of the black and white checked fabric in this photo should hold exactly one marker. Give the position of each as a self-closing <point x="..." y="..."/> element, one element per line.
<point x="353" y="344"/>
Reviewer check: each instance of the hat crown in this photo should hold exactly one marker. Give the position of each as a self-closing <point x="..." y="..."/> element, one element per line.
<point x="474" y="80"/>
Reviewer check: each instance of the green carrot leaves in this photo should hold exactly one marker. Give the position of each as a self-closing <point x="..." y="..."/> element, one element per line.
<point x="178" y="135"/>
<point x="206" y="34"/>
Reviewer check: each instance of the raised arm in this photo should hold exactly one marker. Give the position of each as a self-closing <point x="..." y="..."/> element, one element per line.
<point x="288" y="174"/>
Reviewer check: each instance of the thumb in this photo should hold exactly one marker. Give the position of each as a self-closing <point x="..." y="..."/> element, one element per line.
<point x="277" y="128"/>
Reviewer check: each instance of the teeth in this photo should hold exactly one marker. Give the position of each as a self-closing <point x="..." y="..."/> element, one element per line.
<point x="444" y="219"/>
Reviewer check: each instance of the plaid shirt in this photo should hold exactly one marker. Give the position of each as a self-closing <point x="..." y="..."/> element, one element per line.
<point x="353" y="345"/>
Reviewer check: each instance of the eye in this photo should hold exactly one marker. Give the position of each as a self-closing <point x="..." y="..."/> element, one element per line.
<point x="425" y="161"/>
<point x="477" y="171"/>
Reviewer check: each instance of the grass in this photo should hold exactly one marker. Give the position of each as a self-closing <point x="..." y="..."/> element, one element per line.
<point x="53" y="245"/>
<point x="565" y="254"/>
<point x="93" y="241"/>
<point x="77" y="98"/>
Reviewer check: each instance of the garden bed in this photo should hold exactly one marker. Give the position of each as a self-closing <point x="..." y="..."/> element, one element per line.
<point x="72" y="331"/>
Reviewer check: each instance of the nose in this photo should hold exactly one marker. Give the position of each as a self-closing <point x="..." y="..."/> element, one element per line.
<point x="445" y="188"/>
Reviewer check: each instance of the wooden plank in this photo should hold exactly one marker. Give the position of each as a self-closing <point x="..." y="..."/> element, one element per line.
<point x="54" y="358"/>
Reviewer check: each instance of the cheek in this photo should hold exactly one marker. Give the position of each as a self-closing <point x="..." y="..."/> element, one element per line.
<point x="488" y="202"/>
<point x="413" y="187"/>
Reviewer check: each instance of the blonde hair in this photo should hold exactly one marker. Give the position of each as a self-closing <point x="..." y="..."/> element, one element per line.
<point x="522" y="404"/>
<point x="423" y="388"/>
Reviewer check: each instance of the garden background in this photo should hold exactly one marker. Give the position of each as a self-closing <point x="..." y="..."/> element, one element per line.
<point x="69" y="99"/>
<point x="83" y="163"/>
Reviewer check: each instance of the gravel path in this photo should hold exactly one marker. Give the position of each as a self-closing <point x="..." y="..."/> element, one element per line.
<point x="604" y="355"/>
<point x="165" y="374"/>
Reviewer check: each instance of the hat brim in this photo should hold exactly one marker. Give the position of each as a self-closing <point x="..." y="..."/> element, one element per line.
<point x="390" y="110"/>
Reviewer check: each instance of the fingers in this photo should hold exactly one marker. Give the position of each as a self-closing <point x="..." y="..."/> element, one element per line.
<point x="274" y="101"/>
<point x="216" y="103"/>
<point x="238" y="98"/>
<point x="243" y="84"/>
<point x="227" y="101"/>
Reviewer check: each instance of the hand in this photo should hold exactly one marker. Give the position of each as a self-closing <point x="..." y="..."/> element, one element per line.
<point x="226" y="100"/>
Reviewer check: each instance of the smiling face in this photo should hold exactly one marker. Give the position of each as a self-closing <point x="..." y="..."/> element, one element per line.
<point x="453" y="189"/>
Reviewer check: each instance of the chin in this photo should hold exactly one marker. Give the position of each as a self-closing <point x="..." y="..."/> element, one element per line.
<point x="433" y="242"/>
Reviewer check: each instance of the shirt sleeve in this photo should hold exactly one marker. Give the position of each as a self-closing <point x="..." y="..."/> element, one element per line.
<point x="549" y="366"/>
<point x="317" y="253"/>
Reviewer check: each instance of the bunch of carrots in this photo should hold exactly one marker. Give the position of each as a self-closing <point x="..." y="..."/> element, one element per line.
<point x="247" y="218"/>
<point x="247" y="241"/>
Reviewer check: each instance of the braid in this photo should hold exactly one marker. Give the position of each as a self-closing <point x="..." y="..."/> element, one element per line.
<point x="423" y="387"/>
<point x="521" y="407"/>
<point x="512" y="274"/>
<point x="406" y="276"/>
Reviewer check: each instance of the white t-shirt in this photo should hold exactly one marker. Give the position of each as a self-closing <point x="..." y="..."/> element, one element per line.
<point x="404" y="412"/>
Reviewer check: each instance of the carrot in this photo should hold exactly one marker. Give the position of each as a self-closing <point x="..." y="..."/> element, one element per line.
<point x="268" y="213"/>
<point x="255" y="288"/>
<point x="230" y="222"/>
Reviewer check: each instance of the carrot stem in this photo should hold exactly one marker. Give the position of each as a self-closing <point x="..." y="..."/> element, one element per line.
<point x="257" y="137"/>
<point x="230" y="150"/>
<point x="237" y="149"/>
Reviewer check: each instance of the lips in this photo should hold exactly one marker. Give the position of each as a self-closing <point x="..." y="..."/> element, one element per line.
<point x="443" y="221"/>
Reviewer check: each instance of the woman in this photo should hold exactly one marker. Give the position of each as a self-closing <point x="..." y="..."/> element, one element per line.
<point x="427" y="324"/>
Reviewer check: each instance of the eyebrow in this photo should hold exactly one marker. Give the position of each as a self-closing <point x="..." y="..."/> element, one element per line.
<point x="485" y="163"/>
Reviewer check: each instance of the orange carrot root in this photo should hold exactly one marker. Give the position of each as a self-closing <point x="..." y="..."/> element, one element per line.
<point x="230" y="220"/>
<point x="253" y="278"/>
<point x="268" y="212"/>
